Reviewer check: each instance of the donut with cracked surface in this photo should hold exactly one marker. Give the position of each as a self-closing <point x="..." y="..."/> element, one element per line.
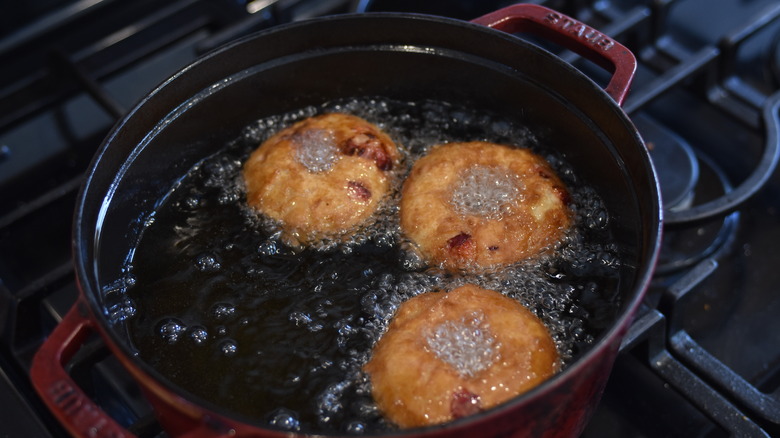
<point x="322" y="177"/>
<point x="446" y="355"/>
<point x="474" y="205"/>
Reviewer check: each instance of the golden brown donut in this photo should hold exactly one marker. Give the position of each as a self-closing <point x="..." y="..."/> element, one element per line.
<point x="476" y="205"/>
<point x="448" y="355"/>
<point x="321" y="177"/>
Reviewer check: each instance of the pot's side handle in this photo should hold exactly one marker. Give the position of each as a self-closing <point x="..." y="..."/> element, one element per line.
<point x="69" y="404"/>
<point x="572" y="34"/>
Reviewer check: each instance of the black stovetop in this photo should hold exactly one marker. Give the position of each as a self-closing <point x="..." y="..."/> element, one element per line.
<point x="702" y="358"/>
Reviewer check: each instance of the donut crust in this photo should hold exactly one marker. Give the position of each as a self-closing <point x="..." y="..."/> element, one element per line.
<point x="414" y="387"/>
<point x="533" y="222"/>
<point x="331" y="197"/>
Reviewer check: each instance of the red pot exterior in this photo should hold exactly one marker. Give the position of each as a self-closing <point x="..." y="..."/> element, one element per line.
<point x="113" y="195"/>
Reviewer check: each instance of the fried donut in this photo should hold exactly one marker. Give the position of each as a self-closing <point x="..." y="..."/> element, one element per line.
<point x="448" y="355"/>
<point x="321" y="177"/>
<point x="475" y="205"/>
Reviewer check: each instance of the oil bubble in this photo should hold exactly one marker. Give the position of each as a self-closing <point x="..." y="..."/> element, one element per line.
<point x="192" y="201"/>
<point x="198" y="335"/>
<point x="356" y="427"/>
<point x="268" y="248"/>
<point x="303" y="319"/>
<point x="228" y="348"/>
<point x="223" y="311"/>
<point x="300" y="318"/>
<point x="171" y="330"/>
<point x="329" y="402"/>
<point x="411" y="259"/>
<point x="122" y="310"/>
<point x="285" y="419"/>
<point x="207" y="263"/>
<point x="228" y="197"/>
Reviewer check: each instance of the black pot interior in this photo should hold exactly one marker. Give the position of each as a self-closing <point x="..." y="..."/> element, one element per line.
<point x="399" y="57"/>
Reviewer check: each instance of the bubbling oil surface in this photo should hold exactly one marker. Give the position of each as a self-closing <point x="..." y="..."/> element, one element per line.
<point x="222" y="308"/>
<point x="317" y="150"/>
<point x="466" y="344"/>
<point x="485" y="191"/>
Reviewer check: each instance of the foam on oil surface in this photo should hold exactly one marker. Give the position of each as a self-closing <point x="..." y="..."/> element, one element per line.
<point x="485" y="191"/>
<point x="316" y="150"/>
<point x="220" y="306"/>
<point x="465" y="344"/>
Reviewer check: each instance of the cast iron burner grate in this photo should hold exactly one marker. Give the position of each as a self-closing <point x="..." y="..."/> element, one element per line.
<point x="700" y="360"/>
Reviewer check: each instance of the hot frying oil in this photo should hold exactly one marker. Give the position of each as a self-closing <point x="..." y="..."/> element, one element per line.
<point x="225" y="310"/>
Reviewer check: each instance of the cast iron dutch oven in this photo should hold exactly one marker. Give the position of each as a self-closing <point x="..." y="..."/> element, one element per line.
<point x="399" y="56"/>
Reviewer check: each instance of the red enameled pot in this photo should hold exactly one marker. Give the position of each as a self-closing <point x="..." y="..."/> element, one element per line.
<point x="400" y="56"/>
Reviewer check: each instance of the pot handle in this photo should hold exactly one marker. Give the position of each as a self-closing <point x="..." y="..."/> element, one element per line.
<point x="69" y="404"/>
<point x="572" y="34"/>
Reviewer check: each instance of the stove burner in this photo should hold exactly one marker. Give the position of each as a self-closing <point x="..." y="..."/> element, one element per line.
<point x="687" y="178"/>
<point x="675" y="163"/>
<point x="687" y="244"/>
<point x="726" y="203"/>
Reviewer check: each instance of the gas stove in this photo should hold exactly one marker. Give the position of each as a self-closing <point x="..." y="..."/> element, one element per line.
<point x="702" y="358"/>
